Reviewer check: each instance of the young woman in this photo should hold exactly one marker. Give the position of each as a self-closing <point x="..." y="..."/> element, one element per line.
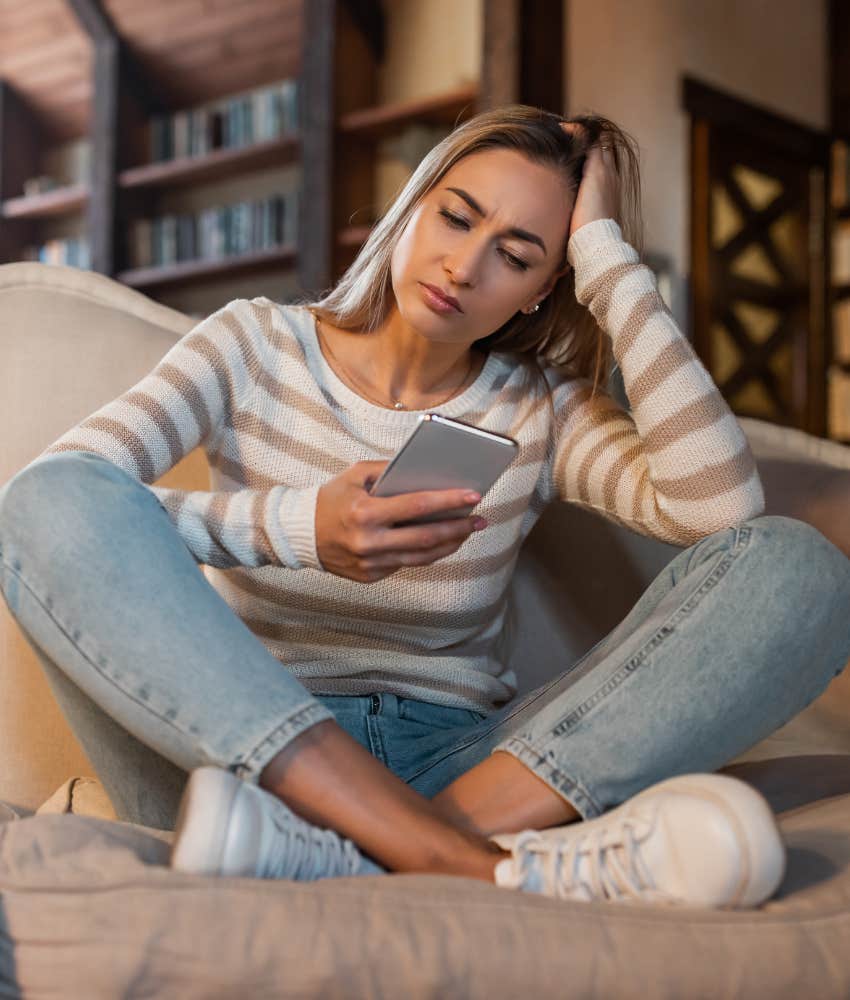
<point x="341" y="688"/>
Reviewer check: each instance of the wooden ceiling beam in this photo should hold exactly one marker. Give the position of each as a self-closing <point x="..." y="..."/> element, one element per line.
<point x="100" y="28"/>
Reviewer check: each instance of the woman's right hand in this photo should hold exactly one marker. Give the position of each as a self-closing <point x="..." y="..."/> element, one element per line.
<point x="355" y="533"/>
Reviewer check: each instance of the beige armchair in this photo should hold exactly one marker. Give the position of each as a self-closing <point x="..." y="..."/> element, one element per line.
<point x="70" y="340"/>
<point x="89" y="907"/>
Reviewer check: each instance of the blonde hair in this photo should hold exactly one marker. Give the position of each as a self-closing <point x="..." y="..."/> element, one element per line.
<point x="562" y="332"/>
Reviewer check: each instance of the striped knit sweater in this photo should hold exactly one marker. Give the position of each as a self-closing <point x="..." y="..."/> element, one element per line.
<point x="251" y="385"/>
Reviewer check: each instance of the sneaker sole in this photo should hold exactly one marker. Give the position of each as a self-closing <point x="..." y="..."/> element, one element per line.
<point x="200" y="833"/>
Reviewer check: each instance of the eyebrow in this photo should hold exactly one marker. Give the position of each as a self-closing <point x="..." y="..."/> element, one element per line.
<point x="521" y="234"/>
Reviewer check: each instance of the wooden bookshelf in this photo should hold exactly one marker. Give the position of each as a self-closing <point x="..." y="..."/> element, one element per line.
<point x="60" y="201"/>
<point x="216" y="165"/>
<point x="439" y="109"/>
<point x="183" y="272"/>
<point x="336" y="48"/>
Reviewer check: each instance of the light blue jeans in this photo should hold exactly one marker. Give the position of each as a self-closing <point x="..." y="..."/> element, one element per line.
<point x="157" y="675"/>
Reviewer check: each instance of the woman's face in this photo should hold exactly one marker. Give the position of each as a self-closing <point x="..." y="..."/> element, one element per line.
<point x="492" y="234"/>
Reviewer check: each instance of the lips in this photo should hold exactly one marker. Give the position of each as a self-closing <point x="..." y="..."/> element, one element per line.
<point x="450" y="299"/>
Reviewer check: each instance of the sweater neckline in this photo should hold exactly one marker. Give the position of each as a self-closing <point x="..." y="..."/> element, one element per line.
<point x="469" y="399"/>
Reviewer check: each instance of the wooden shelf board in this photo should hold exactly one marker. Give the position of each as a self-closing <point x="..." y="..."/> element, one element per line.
<point x="59" y="201"/>
<point x="186" y="271"/>
<point x="215" y="165"/>
<point x="441" y="109"/>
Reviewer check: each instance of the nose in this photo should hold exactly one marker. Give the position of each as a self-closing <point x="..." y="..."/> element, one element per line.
<point x="463" y="261"/>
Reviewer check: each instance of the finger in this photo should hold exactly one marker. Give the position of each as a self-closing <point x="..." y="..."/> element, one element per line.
<point x="574" y="128"/>
<point x="419" y="538"/>
<point x="599" y="159"/>
<point x="412" y="506"/>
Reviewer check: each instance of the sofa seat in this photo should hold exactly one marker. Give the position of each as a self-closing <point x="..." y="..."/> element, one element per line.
<point x="88" y="908"/>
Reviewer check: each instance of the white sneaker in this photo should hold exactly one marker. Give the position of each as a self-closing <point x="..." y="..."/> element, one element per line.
<point x="696" y="839"/>
<point x="226" y="826"/>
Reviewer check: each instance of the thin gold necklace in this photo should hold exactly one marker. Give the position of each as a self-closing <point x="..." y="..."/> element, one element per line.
<point x="396" y="403"/>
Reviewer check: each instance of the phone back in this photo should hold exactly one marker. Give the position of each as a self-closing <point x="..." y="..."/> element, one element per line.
<point x="446" y="454"/>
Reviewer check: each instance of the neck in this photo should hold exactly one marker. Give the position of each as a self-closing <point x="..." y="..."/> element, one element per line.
<point x="398" y="364"/>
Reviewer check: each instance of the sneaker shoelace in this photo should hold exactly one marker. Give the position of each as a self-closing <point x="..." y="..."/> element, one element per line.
<point x="309" y="852"/>
<point x="605" y="864"/>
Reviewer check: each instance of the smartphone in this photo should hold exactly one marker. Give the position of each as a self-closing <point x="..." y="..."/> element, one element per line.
<point x="443" y="454"/>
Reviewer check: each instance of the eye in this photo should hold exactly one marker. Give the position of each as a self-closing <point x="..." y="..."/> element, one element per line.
<point x="457" y="222"/>
<point x="520" y="265"/>
<point x="454" y="220"/>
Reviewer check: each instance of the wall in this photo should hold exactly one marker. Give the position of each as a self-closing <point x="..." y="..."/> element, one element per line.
<point x="626" y="61"/>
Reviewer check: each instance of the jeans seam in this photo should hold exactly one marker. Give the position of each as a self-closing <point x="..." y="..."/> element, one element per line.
<point x="304" y="717"/>
<point x="479" y="734"/>
<point x="564" y="784"/>
<point x="376" y="738"/>
<point x="635" y="661"/>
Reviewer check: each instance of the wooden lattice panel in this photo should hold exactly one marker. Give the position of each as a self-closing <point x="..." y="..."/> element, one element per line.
<point x="758" y="317"/>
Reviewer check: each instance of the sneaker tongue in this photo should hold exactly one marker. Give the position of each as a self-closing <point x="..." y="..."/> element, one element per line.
<point x="613" y="862"/>
<point x="603" y="863"/>
<point x="508" y="874"/>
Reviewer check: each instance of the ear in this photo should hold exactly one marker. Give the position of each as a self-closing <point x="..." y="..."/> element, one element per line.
<point x="552" y="280"/>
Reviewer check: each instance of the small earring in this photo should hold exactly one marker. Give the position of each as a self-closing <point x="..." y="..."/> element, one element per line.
<point x="536" y="307"/>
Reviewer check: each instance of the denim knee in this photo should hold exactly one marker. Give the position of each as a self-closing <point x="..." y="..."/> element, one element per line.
<point x="54" y="472"/>
<point x="57" y="497"/>
<point x="812" y="572"/>
<point x="799" y="545"/>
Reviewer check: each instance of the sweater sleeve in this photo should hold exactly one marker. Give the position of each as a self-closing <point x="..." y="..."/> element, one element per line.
<point x="676" y="466"/>
<point x="197" y="389"/>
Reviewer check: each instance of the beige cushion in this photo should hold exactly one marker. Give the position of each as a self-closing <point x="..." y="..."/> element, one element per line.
<point x="90" y="910"/>
<point x="81" y="796"/>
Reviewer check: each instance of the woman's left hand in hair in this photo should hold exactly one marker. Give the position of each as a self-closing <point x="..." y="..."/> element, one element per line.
<point x="598" y="193"/>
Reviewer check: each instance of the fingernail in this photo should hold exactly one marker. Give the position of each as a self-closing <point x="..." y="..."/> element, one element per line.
<point x="472" y="497"/>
